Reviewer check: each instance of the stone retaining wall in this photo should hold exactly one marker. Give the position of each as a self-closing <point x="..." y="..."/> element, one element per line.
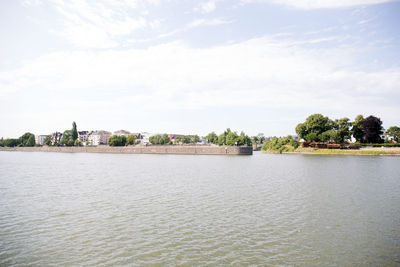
<point x="190" y="150"/>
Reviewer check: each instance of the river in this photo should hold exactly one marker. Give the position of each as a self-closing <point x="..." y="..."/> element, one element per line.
<point x="192" y="210"/>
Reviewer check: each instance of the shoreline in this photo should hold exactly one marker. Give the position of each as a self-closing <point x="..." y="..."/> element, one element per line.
<point x="177" y="150"/>
<point x="340" y="152"/>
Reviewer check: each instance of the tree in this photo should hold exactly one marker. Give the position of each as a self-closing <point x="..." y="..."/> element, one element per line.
<point x="357" y="129"/>
<point x="78" y="143"/>
<point x="342" y="130"/>
<point x="243" y="139"/>
<point x="212" y="138"/>
<point x="66" y="139"/>
<point x="11" y="142"/>
<point x="74" y="131"/>
<point x="27" y="139"/>
<point x="394" y="132"/>
<point x="313" y="127"/>
<point x="130" y="140"/>
<point x="372" y="129"/>
<point x="195" y="139"/>
<point x="186" y="139"/>
<point x="117" y="140"/>
<point x="47" y="140"/>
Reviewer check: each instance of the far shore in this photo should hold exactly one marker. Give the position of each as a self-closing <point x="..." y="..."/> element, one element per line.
<point x="167" y="149"/>
<point x="367" y="151"/>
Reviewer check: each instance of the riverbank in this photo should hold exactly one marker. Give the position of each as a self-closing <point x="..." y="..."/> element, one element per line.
<point x="377" y="151"/>
<point x="185" y="150"/>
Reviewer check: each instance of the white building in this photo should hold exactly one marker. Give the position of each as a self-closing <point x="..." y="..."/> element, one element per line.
<point x="99" y="137"/>
<point x="39" y="139"/>
<point x="145" y="138"/>
<point x="122" y="132"/>
<point x="83" y="136"/>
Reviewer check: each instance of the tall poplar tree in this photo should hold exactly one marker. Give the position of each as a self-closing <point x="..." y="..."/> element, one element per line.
<point x="74" y="131"/>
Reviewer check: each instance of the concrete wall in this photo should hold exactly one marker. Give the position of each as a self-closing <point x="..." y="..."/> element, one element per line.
<point x="191" y="150"/>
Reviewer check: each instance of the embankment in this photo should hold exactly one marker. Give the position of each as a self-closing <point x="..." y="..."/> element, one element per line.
<point x="186" y="150"/>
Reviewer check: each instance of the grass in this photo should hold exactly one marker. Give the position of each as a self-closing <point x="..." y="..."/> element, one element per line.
<point x="346" y="152"/>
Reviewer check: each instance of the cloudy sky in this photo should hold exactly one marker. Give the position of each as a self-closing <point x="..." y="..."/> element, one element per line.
<point x="196" y="66"/>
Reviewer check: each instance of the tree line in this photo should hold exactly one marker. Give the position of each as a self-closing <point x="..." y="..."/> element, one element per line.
<point x="229" y="138"/>
<point x="26" y="140"/>
<point x="365" y="130"/>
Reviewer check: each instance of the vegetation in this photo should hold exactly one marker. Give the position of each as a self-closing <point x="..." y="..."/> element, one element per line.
<point x="69" y="137"/>
<point x="26" y="140"/>
<point x="372" y="129"/>
<point x="47" y="140"/>
<point x="160" y="139"/>
<point x="117" y="140"/>
<point x="212" y="138"/>
<point x="279" y="145"/>
<point x="394" y="132"/>
<point x="320" y="128"/>
<point x="258" y="139"/>
<point x="357" y="129"/>
<point x="130" y="140"/>
<point x="187" y="139"/>
<point x="229" y="138"/>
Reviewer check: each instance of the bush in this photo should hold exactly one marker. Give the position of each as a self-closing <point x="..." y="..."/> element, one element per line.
<point x="276" y="145"/>
<point x="117" y="140"/>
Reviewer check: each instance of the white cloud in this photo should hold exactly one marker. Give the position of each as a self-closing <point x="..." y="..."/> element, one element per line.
<point x="208" y="6"/>
<point x="207" y="22"/>
<point x="99" y="24"/>
<point x="317" y="4"/>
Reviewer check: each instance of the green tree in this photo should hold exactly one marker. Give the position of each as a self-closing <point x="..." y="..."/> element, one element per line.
<point x="27" y="139"/>
<point x="66" y="139"/>
<point x="74" y="131"/>
<point x="313" y="127"/>
<point x="195" y="139"/>
<point x="342" y="130"/>
<point x="11" y="142"/>
<point x="117" y="140"/>
<point x="212" y="138"/>
<point x="357" y="128"/>
<point x="186" y="139"/>
<point x="131" y="139"/>
<point x="78" y="143"/>
<point x="394" y="132"/>
<point x="244" y="139"/>
<point x="231" y="139"/>
<point x="2" y="142"/>
<point x="47" y="140"/>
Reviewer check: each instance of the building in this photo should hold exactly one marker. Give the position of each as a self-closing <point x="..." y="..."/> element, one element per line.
<point x="98" y="137"/>
<point x="122" y="132"/>
<point x="145" y="138"/>
<point x="39" y="139"/>
<point x="83" y="136"/>
<point x="56" y="137"/>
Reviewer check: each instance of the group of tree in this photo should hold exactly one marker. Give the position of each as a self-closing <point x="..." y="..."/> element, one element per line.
<point x="279" y="145"/>
<point x="258" y="139"/>
<point x="159" y="139"/>
<point x="70" y="137"/>
<point x="229" y="138"/>
<point x="120" y="140"/>
<point x="320" y="128"/>
<point x="26" y="140"/>
<point x="187" y="139"/>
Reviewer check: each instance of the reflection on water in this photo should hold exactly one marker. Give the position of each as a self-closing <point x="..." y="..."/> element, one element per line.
<point x="110" y="209"/>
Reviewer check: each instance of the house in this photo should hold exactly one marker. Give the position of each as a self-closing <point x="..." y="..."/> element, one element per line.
<point x="122" y="132"/>
<point x="145" y="138"/>
<point x="56" y="137"/>
<point x="39" y="139"/>
<point x="98" y="137"/>
<point x="83" y="136"/>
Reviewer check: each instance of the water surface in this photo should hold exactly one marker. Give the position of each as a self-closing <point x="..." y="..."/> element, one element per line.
<point x="118" y="209"/>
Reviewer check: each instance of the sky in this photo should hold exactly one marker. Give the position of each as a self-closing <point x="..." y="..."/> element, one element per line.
<point x="192" y="67"/>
